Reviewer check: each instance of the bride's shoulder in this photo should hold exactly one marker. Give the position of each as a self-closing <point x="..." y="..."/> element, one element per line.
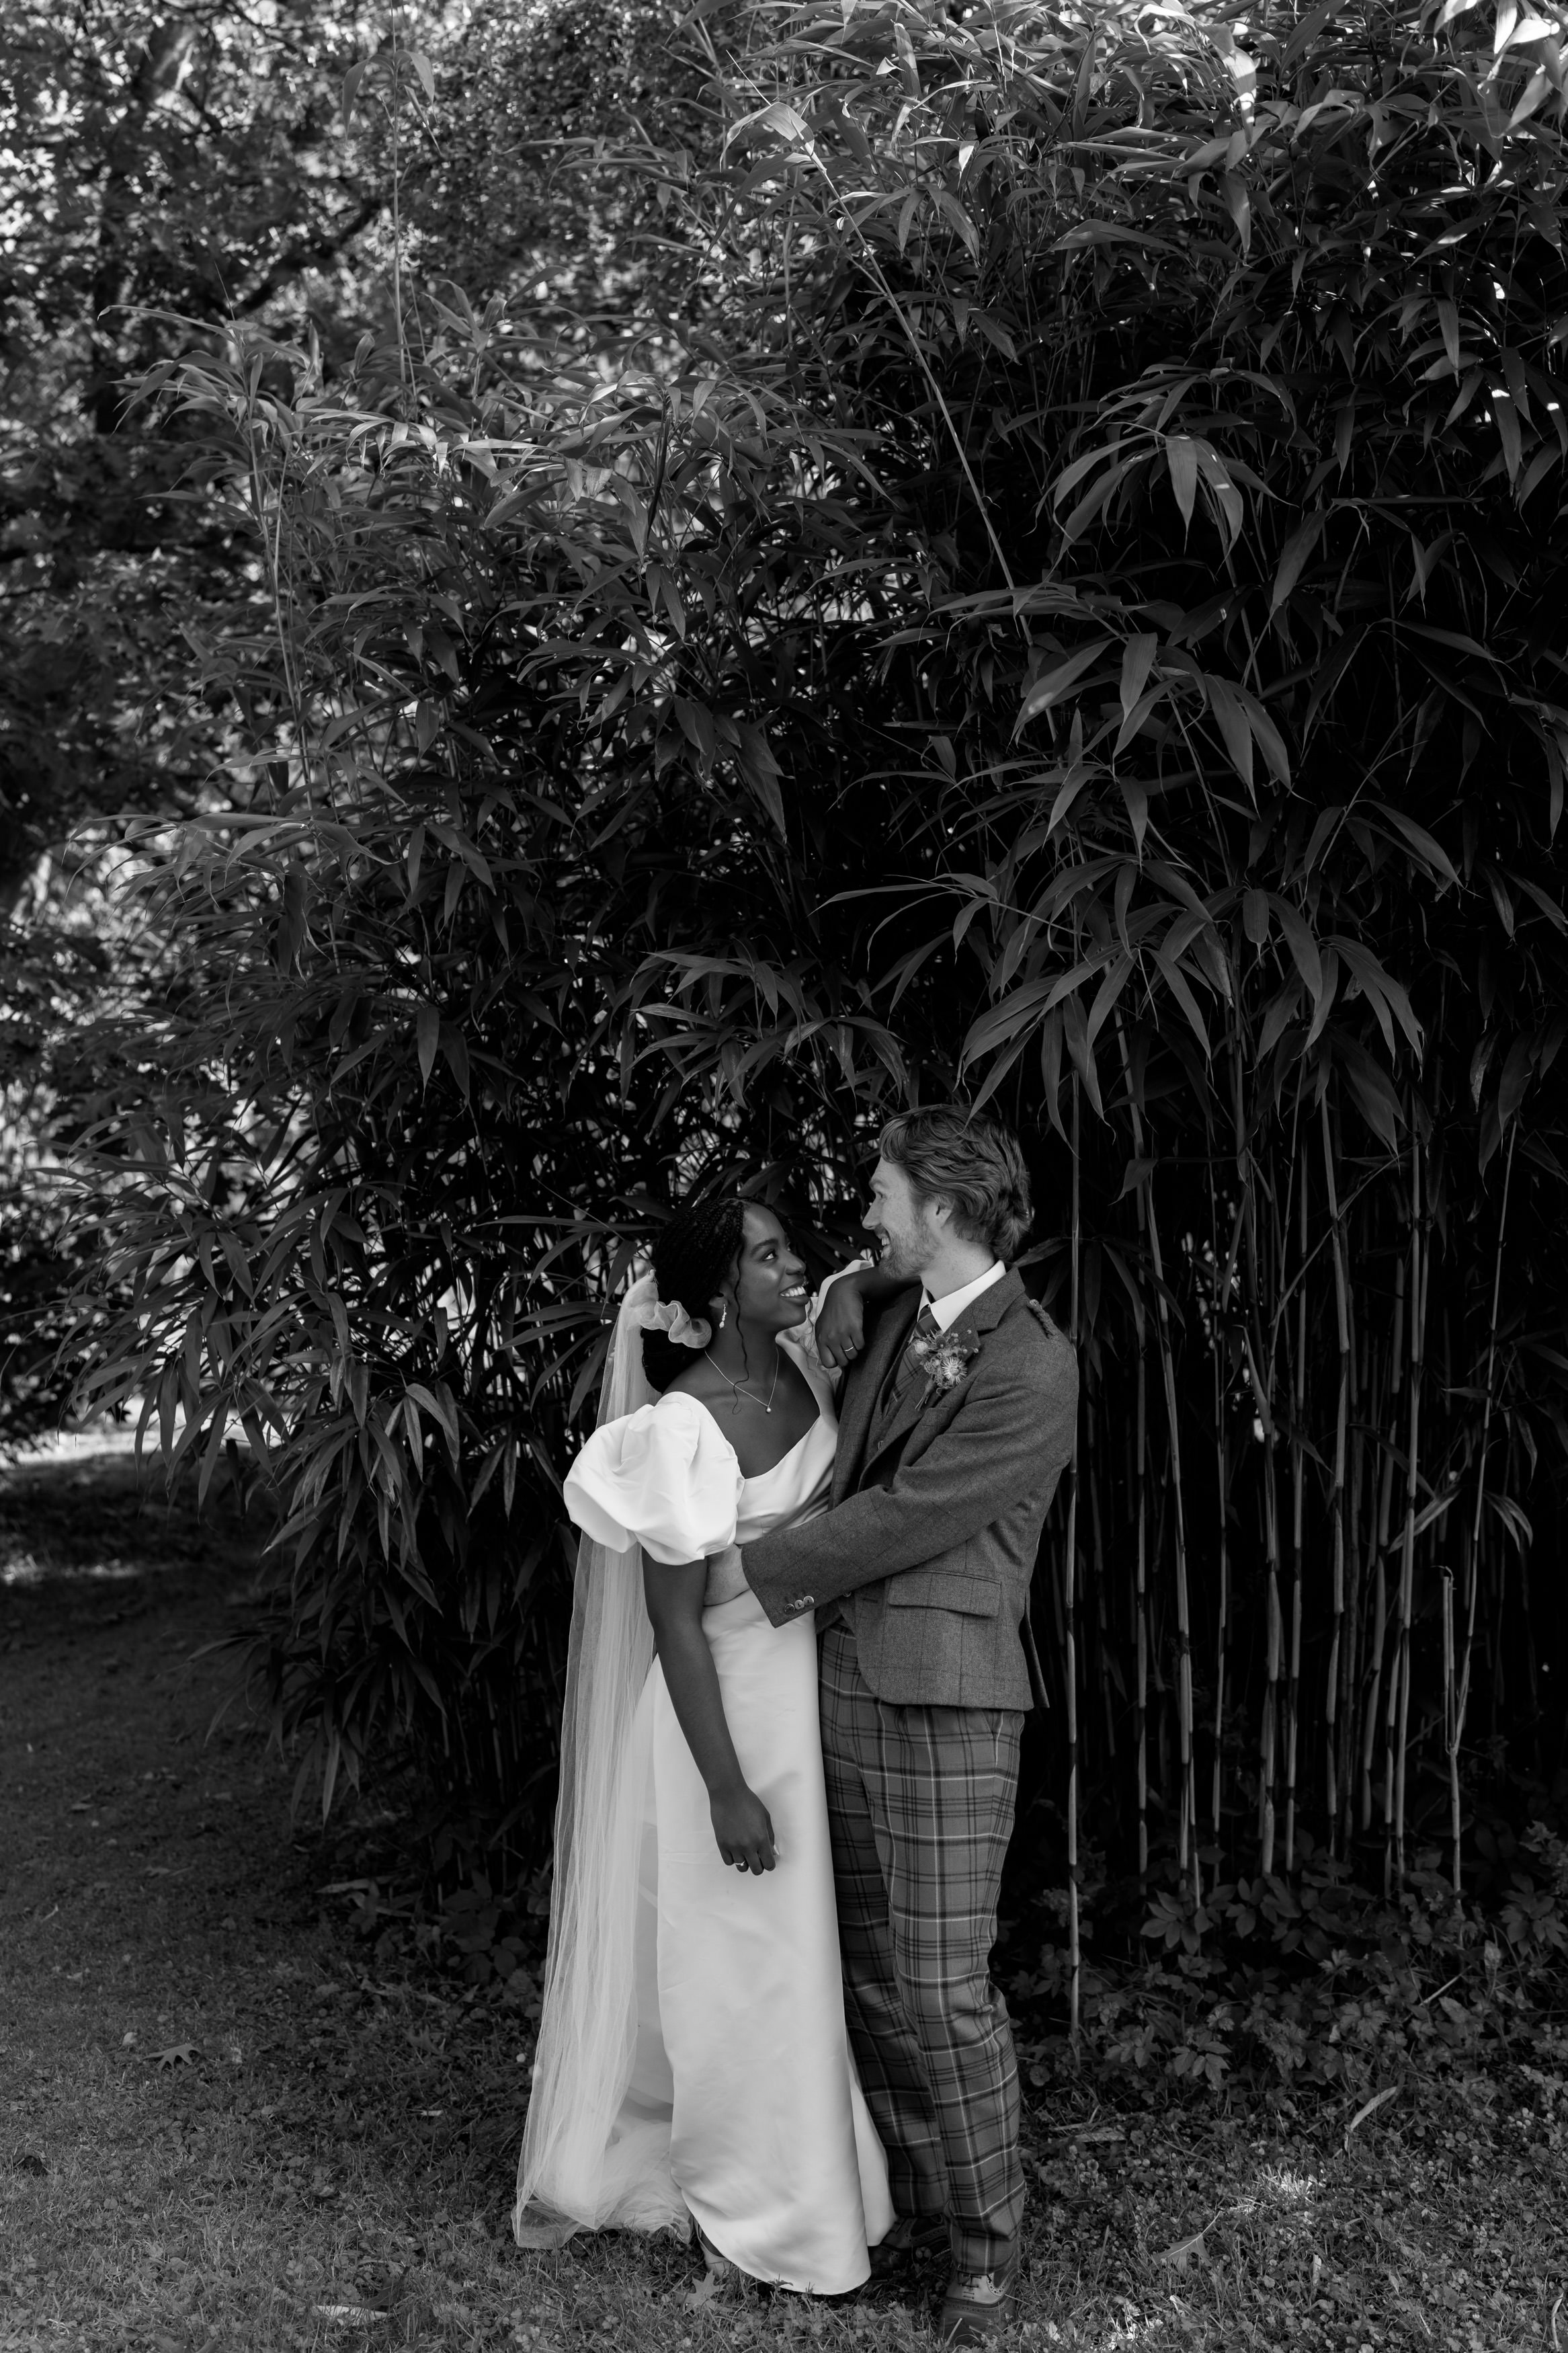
<point x="665" y="1476"/>
<point x="676" y="1424"/>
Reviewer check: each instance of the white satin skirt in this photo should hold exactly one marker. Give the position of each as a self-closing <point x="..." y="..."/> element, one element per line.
<point x="744" y="2083"/>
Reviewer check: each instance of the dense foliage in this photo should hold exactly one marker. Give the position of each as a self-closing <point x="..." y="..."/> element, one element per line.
<point x="160" y="171"/>
<point x="1051" y="587"/>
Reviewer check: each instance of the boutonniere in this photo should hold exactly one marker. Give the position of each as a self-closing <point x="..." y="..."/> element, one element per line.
<point x="943" y="1358"/>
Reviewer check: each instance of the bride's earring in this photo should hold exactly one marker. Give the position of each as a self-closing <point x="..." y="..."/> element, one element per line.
<point x="723" y="1313"/>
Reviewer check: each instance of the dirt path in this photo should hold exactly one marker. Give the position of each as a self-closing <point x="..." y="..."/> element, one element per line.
<point x="228" y="2124"/>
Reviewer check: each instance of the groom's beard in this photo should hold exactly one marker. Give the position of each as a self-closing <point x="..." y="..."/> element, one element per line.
<point x="905" y="1256"/>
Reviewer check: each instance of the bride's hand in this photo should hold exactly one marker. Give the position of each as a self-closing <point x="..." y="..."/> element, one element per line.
<point x="743" y="1830"/>
<point x="841" y="1332"/>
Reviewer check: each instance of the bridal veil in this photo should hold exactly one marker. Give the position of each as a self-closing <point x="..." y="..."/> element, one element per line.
<point x="584" y="2164"/>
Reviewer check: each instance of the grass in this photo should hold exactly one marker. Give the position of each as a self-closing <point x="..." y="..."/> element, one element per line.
<point x="230" y="2124"/>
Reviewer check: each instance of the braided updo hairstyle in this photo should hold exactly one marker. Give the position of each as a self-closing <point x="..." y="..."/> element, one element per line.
<point x="693" y="1258"/>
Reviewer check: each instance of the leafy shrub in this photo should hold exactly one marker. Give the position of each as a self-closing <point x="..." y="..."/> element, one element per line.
<point x="412" y="1096"/>
<point x="1016" y="636"/>
<point x="1317" y="1984"/>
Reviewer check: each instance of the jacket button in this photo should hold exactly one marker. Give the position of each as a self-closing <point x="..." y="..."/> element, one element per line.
<point x="805" y="1601"/>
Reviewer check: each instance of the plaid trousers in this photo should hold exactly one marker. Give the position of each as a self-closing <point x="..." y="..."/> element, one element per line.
<point x="920" y="1805"/>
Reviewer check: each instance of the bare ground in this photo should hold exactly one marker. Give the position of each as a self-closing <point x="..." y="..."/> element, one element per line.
<point x="226" y="2125"/>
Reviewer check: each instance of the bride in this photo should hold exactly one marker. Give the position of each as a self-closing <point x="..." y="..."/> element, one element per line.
<point x="693" y="2057"/>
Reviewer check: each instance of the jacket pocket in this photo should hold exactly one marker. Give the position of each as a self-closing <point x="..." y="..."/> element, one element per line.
<point x="971" y="1596"/>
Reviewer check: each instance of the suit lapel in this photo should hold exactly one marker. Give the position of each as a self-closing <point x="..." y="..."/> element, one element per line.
<point x="862" y="1386"/>
<point x="981" y="1316"/>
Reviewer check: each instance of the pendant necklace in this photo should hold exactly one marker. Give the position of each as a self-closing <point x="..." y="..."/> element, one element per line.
<point x="740" y="1388"/>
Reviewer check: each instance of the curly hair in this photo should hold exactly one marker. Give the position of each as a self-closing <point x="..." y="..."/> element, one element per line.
<point x="973" y="1162"/>
<point x="693" y="1258"/>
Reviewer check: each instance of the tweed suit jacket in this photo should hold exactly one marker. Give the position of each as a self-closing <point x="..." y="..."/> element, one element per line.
<point x="938" y="1502"/>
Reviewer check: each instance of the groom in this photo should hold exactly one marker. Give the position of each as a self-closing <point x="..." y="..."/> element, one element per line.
<point x="957" y="1416"/>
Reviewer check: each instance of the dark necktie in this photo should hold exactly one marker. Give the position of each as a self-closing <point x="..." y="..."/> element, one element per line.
<point x="907" y="1365"/>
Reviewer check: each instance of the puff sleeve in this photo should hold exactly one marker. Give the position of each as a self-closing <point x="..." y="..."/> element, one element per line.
<point x="665" y="1477"/>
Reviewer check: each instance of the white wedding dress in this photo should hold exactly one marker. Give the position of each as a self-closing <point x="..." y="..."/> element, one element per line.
<point x="740" y="2103"/>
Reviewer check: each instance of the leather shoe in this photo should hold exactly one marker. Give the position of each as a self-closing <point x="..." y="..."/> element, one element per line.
<point x="978" y="2306"/>
<point x="912" y="2235"/>
<point x="717" y="2267"/>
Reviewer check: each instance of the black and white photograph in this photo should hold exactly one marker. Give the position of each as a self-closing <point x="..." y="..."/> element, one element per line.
<point x="784" y="1177"/>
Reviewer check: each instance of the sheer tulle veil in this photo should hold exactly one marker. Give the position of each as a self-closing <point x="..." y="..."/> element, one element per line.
<point x="577" y="2171"/>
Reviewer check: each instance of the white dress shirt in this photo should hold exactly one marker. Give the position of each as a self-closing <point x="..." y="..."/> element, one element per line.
<point x="951" y="1304"/>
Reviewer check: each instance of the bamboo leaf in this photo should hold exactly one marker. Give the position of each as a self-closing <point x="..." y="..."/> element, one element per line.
<point x="1506" y="418"/>
<point x="1515" y="1079"/>
<point x="1136" y="657"/>
<point x="1232" y="721"/>
<point x="1293" y="557"/>
<point x="1373" y="1091"/>
<point x="1548" y="906"/>
<point x="1106" y="996"/>
<point x="1325" y="1005"/>
<point x="1302" y="946"/>
<point x="1050" y="687"/>
<point x="428" y="1026"/>
<point x="1082" y="1051"/>
<point x="353" y="82"/>
<point x="1267" y="736"/>
<point x="1424" y="844"/>
<point x="1182" y="459"/>
<point x="1384" y="993"/>
<point x="1177" y="982"/>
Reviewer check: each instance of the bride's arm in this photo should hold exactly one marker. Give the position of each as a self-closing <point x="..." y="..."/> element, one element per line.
<point x="838" y="1329"/>
<point x="675" y="1598"/>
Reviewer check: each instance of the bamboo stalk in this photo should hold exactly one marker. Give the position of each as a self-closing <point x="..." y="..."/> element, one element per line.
<point x="1419" y="1270"/>
<point x="1455" y="1726"/>
<point x="1141" y="1591"/>
<point x="1092" y="1459"/>
<point x="1222" y="1280"/>
<point x="1527" y="1621"/>
<point x="1252" y="1344"/>
<point x="1384" y="1505"/>
<point x="1070" y="1575"/>
<point x="1496" y="1630"/>
<point x="1187" y="1833"/>
<point x="1187" y="1829"/>
<point x="1269" y="1733"/>
<point x="1355" y="1597"/>
<point x="1297" y="1483"/>
<point x="1337" y="1496"/>
<point x="1450" y="1718"/>
<point x="1222" y="1625"/>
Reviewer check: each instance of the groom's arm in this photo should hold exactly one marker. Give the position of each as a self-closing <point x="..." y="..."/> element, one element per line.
<point x="1012" y="1437"/>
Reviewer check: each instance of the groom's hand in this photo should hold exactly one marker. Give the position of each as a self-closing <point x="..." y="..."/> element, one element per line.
<point x="726" y="1576"/>
<point x="841" y="1324"/>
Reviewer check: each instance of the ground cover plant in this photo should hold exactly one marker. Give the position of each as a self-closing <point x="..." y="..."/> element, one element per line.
<point x="242" y="2106"/>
